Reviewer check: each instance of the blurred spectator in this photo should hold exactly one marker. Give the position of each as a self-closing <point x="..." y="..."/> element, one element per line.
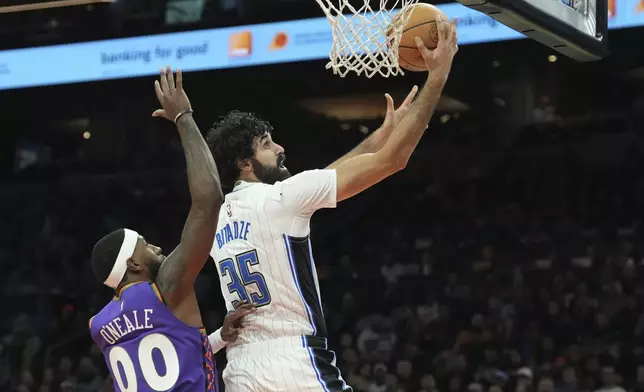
<point x="518" y="275"/>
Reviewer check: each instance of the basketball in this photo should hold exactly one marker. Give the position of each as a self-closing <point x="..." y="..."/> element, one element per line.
<point x="421" y="23"/>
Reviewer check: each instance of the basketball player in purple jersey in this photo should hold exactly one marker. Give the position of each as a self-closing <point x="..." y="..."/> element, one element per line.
<point x="151" y="333"/>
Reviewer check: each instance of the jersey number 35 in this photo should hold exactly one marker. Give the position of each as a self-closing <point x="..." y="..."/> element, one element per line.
<point x="249" y="286"/>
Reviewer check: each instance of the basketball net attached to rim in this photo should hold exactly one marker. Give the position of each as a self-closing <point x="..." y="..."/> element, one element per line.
<point x="365" y="40"/>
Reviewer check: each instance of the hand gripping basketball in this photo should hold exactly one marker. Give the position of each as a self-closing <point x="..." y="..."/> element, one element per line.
<point x="171" y="96"/>
<point x="439" y="60"/>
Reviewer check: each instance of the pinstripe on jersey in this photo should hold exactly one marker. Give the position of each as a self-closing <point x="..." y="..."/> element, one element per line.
<point x="262" y="252"/>
<point x="264" y="255"/>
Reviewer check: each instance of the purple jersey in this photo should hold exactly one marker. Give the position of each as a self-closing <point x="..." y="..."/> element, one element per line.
<point x="147" y="348"/>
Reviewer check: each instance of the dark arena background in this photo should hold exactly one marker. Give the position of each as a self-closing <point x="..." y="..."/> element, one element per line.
<point x="508" y="256"/>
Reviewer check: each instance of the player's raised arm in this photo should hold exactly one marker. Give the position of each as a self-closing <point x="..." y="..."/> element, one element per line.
<point x="178" y="272"/>
<point x="379" y="137"/>
<point x="359" y="173"/>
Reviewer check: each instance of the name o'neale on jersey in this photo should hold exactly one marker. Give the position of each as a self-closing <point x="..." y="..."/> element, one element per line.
<point x="124" y="324"/>
<point x="237" y="230"/>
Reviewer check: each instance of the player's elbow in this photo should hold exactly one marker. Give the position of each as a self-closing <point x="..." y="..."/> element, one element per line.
<point x="393" y="164"/>
<point x="208" y="195"/>
<point x="386" y="170"/>
<point x="398" y="164"/>
<point x="218" y="195"/>
<point x="208" y="201"/>
<point x="205" y="212"/>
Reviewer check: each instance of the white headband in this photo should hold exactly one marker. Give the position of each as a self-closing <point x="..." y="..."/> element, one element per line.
<point x="120" y="265"/>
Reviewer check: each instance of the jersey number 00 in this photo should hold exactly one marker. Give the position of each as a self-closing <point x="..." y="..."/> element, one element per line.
<point x="127" y="381"/>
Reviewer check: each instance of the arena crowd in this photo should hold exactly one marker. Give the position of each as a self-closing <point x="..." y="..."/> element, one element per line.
<point x="511" y="270"/>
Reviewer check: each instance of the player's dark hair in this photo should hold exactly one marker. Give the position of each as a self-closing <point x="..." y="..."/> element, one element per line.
<point x="231" y="140"/>
<point x="105" y="253"/>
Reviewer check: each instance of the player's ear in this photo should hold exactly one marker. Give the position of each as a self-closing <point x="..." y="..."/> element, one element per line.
<point x="244" y="165"/>
<point x="133" y="266"/>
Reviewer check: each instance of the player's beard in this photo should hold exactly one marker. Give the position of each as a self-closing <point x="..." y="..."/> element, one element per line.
<point x="270" y="175"/>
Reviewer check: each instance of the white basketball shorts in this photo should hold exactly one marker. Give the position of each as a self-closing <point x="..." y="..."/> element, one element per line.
<point x="288" y="364"/>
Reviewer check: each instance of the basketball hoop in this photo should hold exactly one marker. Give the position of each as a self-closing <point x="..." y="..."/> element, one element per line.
<point x="366" y="40"/>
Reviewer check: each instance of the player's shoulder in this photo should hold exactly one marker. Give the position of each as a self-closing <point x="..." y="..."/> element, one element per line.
<point x="141" y="293"/>
<point x="106" y="313"/>
<point x="132" y="295"/>
<point x="90" y="321"/>
<point x="136" y="289"/>
<point x="309" y="175"/>
<point x="247" y="191"/>
<point x="306" y="178"/>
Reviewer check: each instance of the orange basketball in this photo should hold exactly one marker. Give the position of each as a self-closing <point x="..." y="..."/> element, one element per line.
<point x="421" y="23"/>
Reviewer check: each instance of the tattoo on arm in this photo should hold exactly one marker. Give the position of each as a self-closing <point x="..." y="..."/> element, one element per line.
<point x="177" y="274"/>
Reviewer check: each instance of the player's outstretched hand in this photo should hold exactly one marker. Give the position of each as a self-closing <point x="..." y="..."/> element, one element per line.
<point x="394" y="116"/>
<point x="232" y="322"/>
<point x="439" y="60"/>
<point x="171" y="96"/>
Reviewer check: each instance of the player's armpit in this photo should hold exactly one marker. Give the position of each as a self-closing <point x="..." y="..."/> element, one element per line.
<point x="362" y="172"/>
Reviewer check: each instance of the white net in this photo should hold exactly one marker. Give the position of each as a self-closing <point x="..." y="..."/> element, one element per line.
<point x="365" y="40"/>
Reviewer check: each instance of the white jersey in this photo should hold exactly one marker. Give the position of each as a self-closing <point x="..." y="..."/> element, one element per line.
<point x="263" y="254"/>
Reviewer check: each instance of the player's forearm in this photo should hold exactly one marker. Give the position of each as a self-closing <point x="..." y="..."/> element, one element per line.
<point x="373" y="143"/>
<point x="203" y="177"/>
<point x="401" y="144"/>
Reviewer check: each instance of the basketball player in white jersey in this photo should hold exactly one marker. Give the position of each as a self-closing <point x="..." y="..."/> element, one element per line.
<point x="262" y="249"/>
